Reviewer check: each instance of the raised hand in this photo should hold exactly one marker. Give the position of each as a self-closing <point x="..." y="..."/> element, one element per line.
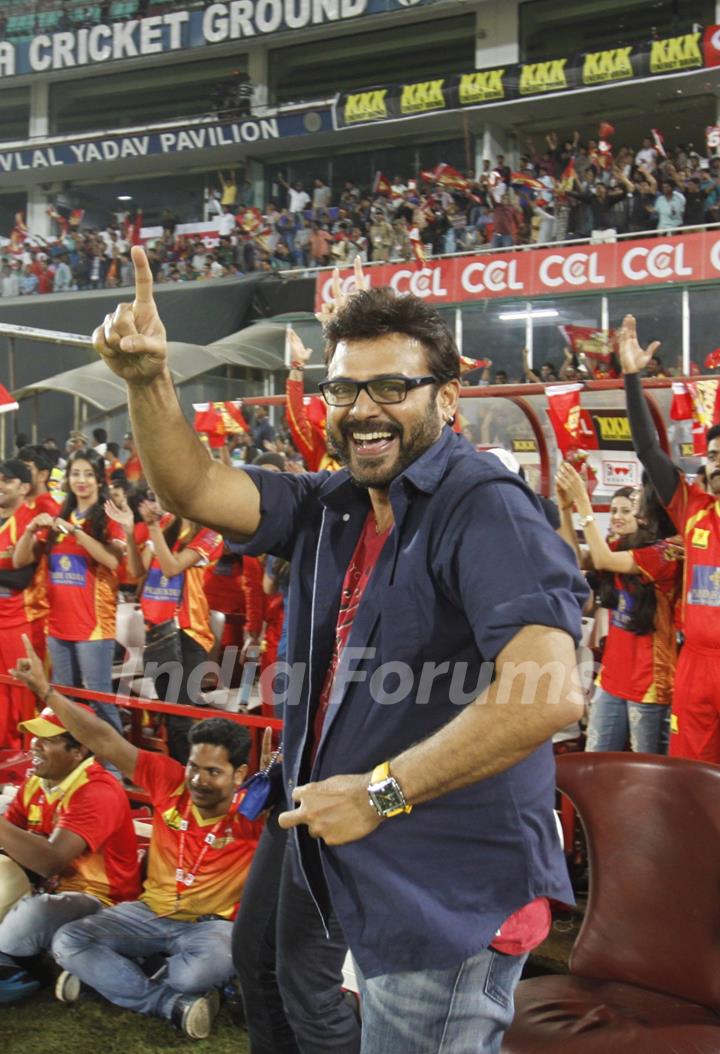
<point x="132" y="340"/>
<point x="572" y="486"/>
<point x="298" y="351"/>
<point x="122" y="516"/>
<point x="632" y="357"/>
<point x="340" y="299"/>
<point x="30" y="670"/>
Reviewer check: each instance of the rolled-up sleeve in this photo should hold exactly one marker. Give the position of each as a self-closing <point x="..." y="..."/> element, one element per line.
<point x="508" y="569"/>
<point x="287" y="503"/>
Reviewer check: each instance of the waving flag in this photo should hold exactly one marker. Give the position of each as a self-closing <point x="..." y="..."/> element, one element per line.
<point x="571" y="424"/>
<point x="218" y="420"/>
<point x="7" y="403"/>
<point x="659" y="140"/>
<point x="381" y="185"/>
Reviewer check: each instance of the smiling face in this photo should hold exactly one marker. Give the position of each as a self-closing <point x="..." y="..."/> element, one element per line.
<point x="211" y="779"/>
<point x="622" y="517"/>
<point x="83" y="482"/>
<point x="12" y="494"/>
<point x="376" y="442"/>
<point x="53" y="759"/>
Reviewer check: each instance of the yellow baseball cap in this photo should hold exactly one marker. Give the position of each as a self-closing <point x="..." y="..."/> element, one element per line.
<point x="48" y="724"/>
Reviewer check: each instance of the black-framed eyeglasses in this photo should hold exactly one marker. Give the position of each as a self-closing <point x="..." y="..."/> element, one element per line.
<point x="382" y="390"/>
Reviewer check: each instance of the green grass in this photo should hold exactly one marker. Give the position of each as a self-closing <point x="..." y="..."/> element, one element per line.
<point x="41" y="1025"/>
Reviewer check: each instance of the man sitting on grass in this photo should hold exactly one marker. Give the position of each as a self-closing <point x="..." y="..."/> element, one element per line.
<point x="200" y="853"/>
<point x="70" y="826"/>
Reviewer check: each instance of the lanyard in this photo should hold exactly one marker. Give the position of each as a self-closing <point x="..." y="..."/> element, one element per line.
<point x="184" y="879"/>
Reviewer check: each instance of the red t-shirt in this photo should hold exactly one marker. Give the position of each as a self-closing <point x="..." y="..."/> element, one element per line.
<point x="220" y="880"/>
<point x="15" y="605"/>
<point x="697" y="516"/>
<point x="223" y="585"/>
<point x="82" y="592"/>
<point x="640" y="668"/>
<point x="182" y="595"/>
<point x="367" y="552"/>
<point x="93" y="804"/>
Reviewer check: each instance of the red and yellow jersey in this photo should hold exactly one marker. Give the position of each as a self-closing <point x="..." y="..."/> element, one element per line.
<point x="133" y="469"/>
<point x="641" y="668"/>
<point x="37" y="602"/>
<point x="113" y="465"/>
<point x="15" y="605"/>
<point x="220" y="880"/>
<point x="93" y="804"/>
<point x="82" y="593"/>
<point x="223" y="585"/>
<point x="182" y="596"/>
<point x="697" y="516"/>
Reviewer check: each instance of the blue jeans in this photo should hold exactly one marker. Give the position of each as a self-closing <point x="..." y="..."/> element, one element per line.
<point x="500" y="241"/>
<point x="100" y="951"/>
<point x="29" y="926"/>
<point x="463" y="1010"/>
<point x="86" y="664"/>
<point x="613" y="720"/>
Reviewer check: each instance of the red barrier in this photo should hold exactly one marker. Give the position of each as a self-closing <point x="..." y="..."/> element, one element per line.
<point x="137" y="703"/>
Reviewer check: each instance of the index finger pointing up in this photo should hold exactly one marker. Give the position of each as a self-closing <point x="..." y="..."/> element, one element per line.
<point x="143" y="276"/>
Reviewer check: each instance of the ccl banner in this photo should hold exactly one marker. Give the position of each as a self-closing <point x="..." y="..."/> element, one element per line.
<point x="589" y="268"/>
<point x="525" y="80"/>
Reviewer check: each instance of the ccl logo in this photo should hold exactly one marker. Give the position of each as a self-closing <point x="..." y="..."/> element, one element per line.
<point x="663" y="261"/>
<point x="496" y="276"/>
<point x="423" y="283"/>
<point x="575" y="269"/>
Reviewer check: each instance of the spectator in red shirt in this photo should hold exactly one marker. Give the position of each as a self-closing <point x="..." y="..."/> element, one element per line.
<point x="69" y="825"/>
<point x="200" y="854"/>
<point x="84" y="550"/>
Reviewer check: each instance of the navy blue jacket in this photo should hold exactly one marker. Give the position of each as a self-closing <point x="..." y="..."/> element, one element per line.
<point x="471" y="560"/>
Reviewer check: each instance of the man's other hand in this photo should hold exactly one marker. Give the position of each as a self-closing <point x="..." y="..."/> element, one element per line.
<point x="132" y="340"/>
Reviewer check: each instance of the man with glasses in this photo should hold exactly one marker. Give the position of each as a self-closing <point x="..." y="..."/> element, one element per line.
<point x="431" y="601"/>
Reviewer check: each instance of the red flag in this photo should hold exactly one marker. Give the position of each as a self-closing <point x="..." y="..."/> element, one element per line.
<point x="7" y="403"/>
<point x="467" y="365"/>
<point x="449" y="177"/>
<point x="564" y="414"/>
<point x="659" y="141"/>
<point x="681" y="407"/>
<point x="712" y="361"/>
<point x="606" y="130"/>
<point x="381" y="185"/>
<point x="597" y="345"/>
<point x="706" y="411"/>
<point x="218" y="420"/>
<point x="523" y="179"/>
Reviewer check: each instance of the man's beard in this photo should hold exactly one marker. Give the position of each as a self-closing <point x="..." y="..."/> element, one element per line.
<point x="371" y="472"/>
<point x="714" y="482"/>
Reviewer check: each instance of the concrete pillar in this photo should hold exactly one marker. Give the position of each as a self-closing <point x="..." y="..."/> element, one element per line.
<point x="258" y="72"/>
<point x="39" y="110"/>
<point x="496" y="33"/>
<point x="255" y="174"/>
<point x="36" y="215"/>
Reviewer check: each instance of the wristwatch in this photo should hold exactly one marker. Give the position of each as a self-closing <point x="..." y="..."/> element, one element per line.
<point x="585" y="520"/>
<point x="385" y="793"/>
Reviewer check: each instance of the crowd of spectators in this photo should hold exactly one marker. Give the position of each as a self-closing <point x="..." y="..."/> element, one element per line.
<point x="571" y="190"/>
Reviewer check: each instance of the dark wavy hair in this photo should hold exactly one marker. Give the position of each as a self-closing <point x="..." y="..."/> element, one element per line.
<point x="378" y="312"/>
<point x="653" y="524"/>
<point x="95" y="519"/>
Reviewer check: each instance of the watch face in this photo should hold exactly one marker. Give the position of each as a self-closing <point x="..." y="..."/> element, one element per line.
<point x="387" y="796"/>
